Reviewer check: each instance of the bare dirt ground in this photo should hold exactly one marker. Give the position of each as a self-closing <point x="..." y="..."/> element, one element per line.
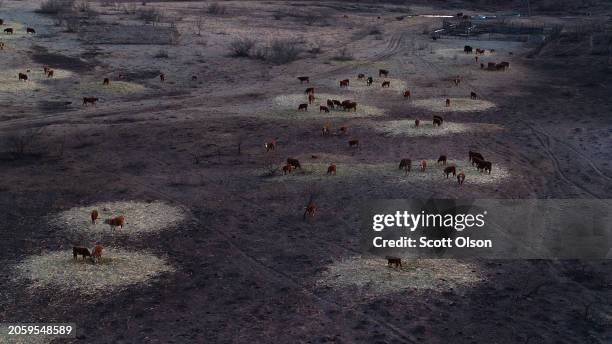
<point x="240" y="265"/>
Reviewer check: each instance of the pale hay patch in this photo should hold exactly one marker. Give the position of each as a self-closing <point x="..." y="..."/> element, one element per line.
<point x="286" y="106"/>
<point x="115" y="87"/>
<point x="406" y="127"/>
<point x="397" y="86"/>
<point x="457" y="104"/>
<point x="18" y="28"/>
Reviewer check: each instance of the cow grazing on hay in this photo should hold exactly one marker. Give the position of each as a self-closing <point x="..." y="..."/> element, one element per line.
<point x="369" y="81"/>
<point x="50" y="73"/>
<point x="360" y="76"/>
<point x="491" y="66"/>
<point x="450" y="169"/>
<point x="467" y="49"/>
<point x="505" y="65"/>
<point x="97" y="253"/>
<point x="406" y="165"/>
<point x="482" y="66"/>
<point x="407" y="94"/>
<point x="460" y="178"/>
<point x="323" y="108"/>
<point x="350" y="106"/>
<point x="480" y="51"/>
<point x="474" y="155"/>
<point x="22" y="76"/>
<point x="386" y="84"/>
<point x="442" y="159"/>
<point x="1" y="45"/>
<point x="288" y="169"/>
<point x="270" y="146"/>
<point x="311" y="98"/>
<point x="304" y="79"/>
<point x="383" y="72"/>
<point x="118" y="221"/>
<point x="331" y="170"/>
<point x="337" y="103"/>
<point x="294" y="162"/>
<point x="303" y="107"/>
<point x="447" y="102"/>
<point x="417" y="122"/>
<point x="354" y="143"/>
<point x="423" y="165"/>
<point x="437" y="120"/>
<point x="483" y="166"/>
<point x="106" y="81"/>
<point x="83" y="251"/>
<point x="89" y="100"/>
<point x="30" y="30"/>
<point x="1" y="21"/>
<point x="330" y="103"/>
<point x="162" y="77"/>
<point x="343" y="130"/>
<point x="473" y="95"/>
<point x="344" y="83"/>
<point x="309" y="90"/>
<point x="325" y="131"/>
<point x="8" y="31"/>
<point x="94" y="216"/>
<point x="394" y="262"/>
<point x="311" y="209"/>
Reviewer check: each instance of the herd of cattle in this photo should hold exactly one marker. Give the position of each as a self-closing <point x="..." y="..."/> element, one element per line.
<point x="96" y="252"/>
<point x="490" y="65"/>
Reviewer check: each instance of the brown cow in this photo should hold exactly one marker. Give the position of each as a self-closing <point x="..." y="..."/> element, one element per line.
<point x="270" y="145"/>
<point x="476" y="58"/>
<point x="330" y="103"/>
<point x="83" y="251"/>
<point x="162" y="77"/>
<point x="97" y="253"/>
<point x="394" y="261"/>
<point x="405" y="164"/>
<point x="294" y="162"/>
<point x="23" y="76"/>
<point x="450" y="169"/>
<point x="50" y="73"/>
<point x="304" y="78"/>
<point x="505" y="64"/>
<point x="311" y="209"/>
<point x="474" y="155"/>
<point x="442" y="159"/>
<point x="383" y="72"/>
<point x="423" y="165"/>
<point x="325" y="130"/>
<point x="360" y="76"/>
<point x="447" y="102"/>
<point x="30" y="30"/>
<point x="407" y="94"/>
<point x="353" y="143"/>
<point x="309" y="90"/>
<point x="417" y="122"/>
<point x="386" y="84"/>
<point x="473" y="95"/>
<point x="323" y="108"/>
<point x="344" y="83"/>
<point x="460" y="178"/>
<point x="491" y="65"/>
<point x="480" y="51"/>
<point x="303" y="107"/>
<point x="483" y="166"/>
<point x="1" y="45"/>
<point x="106" y="81"/>
<point x="8" y="31"/>
<point x="343" y="130"/>
<point x="482" y="66"/>
<point x="91" y="100"/>
<point x="287" y="169"/>
<point x="94" y="216"/>
<point x="194" y="78"/>
<point x="337" y="103"/>
<point x="311" y="98"/>
<point x="118" y="221"/>
<point x="331" y="169"/>
<point x="350" y="106"/>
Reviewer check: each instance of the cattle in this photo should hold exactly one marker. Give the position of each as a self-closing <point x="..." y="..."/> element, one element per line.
<point x="94" y="216"/>
<point x="483" y="166"/>
<point x="482" y="66"/>
<point x="447" y="102"/>
<point x="287" y="169"/>
<point x="325" y="130"/>
<point x="30" y="30"/>
<point x="294" y="162"/>
<point x="491" y="65"/>
<point x="476" y="161"/>
<point x="492" y="51"/>
<point x="394" y="261"/>
<point x="8" y="31"/>
<point x="437" y="120"/>
<point x="383" y="72"/>
<point x="323" y="108"/>
<point x="353" y="143"/>
<point x="460" y="178"/>
<point x="1" y="21"/>
<point x="304" y="79"/>
<point x="97" y="253"/>
<point x="337" y="103"/>
<point x="460" y="14"/>
<point x="500" y="66"/>
<point x="309" y="90"/>
<point x="417" y="122"/>
<point x="270" y="146"/>
<point x="405" y="164"/>
<point x="311" y="209"/>
<point x="474" y="155"/>
<point x="162" y="77"/>
<point x="314" y="156"/>
<point x="473" y="95"/>
<point x="303" y="107"/>
<point x="343" y="130"/>
<point x="350" y="106"/>
<point x="311" y="98"/>
<point x="344" y="83"/>
<point x="330" y="103"/>
<point x="386" y="84"/>
<point x="118" y="221"/>
<point x="480" y="51"/>
<point x="331" y="170"/>
<point x="360" y="76"/>
<point x="50" y="73"/>
<point x="1" y="45"/>
<point x="423" y="165"/>
<point x="87" y="100"/>
<point x="467" y="49"/>
<point x="369" y="81"/>
<point x="442" y="159"/>
<point x="450" y="169"/>
<point x="407" y="94"/>
<point x="476" y="58"/>
<point x="505" y="64"/>
<point x="22" y="76"/>
<point x="83" y="251"/>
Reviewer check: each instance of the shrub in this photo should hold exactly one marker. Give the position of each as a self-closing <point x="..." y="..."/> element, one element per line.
<point x="216" y="8"/>
<point x="241" y="47"/>
<point x="55" y="7"/>
<point x="283" y="51"/>
<point x="149" y="14"/>
<point x="343" y="55"/>
<point x="161" y="54"/>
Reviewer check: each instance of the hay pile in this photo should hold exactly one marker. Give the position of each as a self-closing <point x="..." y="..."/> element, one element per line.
<point x="405" y="127"/>
<point x="397" y="86"/>
<point x="286" y="106"/>
<point x="9" y="81"/>
<point x="118" y="268"/>
<point x="115" y="87"/>
<point x="372" y="275"/>
<point x="457" y="104"/>
<point x="19" y="31"/>
<point x="140" y="217"/>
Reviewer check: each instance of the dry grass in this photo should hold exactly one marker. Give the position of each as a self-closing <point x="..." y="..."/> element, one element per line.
<point x="457" y="104"/>
<point x="397" y="86"/>
<point x="19" y="31"/>
<point x="286" y="106"/>
<point x="118" y="268"/>
<point x="140" y="217"/>
<point x="9" y="81"/>
<point x="373" y="277"/>
<point x="405" y="127"/>
<point x="115" y="87"/>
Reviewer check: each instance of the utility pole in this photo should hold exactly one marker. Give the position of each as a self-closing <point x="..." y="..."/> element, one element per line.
<point x="529" y="8"/>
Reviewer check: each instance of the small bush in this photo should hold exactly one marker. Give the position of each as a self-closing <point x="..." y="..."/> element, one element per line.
<point x="149" y="14"/>
<point x="241" y="47"/>
<point x="55" y="7"/>
<point x="343" y="55"/>
<point x="216" y="9"/>
<point x="161" y="54"/>
<point x="283" y="51"/>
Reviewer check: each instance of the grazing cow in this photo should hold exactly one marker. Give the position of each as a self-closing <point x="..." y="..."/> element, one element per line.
<point x="505" y="64"/>
<point x="83" y="251"/>
<point x="369" y="81"/>
<point x="394" y="261"/>
<point x="360" y="76"/>
<point x="474" y="155"/>
<point x="162" y="77"/>
<point x="106" y="81"/>
<point x="325" y="130"/>
<point x="304" y="79"/>
<point x="405" y="164"/>
<point x="500" y="66"/>
<point x="386" y="84"/>
<point x="8" y="31"/>
<point x="467" y="49"/>
<point x="423" y="165"/>
<point x="287" y="169"/>
<point x="314" y="156"/>
<point x="473" y="95"/>
<point x="118" y="221"/>
<point x="350" y="106"/>
<point x="437" y="120"/>
<point x="311" y="98"/>
<point x="353" y="143"/>
<point x="330" y="103"/>
<point x="482" y="66"/>
<point x="97" y="253"/>
<point x="417" y="122"/>
<point x="194" y="78"/>
<point x="343" y="130"/>
<point x="323" y="108"/>
<point x="460" y="178"/>
<point x="94" y="216"/>
<point x="450" y="169"/>
<point x="407" y="94"/>
<point x="476" y="58"/>
<point x="270" y="145"/>
<point x="294" y="162"/>
<point x="30" y="30"/>
<point x="303" y="107"/>
<point x="331" y="169"/>
<point x="383" y="72"/>
<point x="1" y="45"/>
<point x="91" y="100"/>
<point x="482" y="165"/>
<point x="344" y="83"/>
<point x="311" y="209"/>
<point x="309" y="90"/>
<point x="50" y="73"/>
<point x="491" y="65"/>
<point x="442" y="159"/>
<point x="447" y="102"/>
<point x="480" y="51"/>
<point x="22" y="76"/>
<point x="492" y="51"/>
<point x="2" y="21"/>
<point x="337" y="103"/>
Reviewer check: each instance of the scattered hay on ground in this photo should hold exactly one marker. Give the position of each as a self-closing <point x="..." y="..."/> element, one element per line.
<point x="396" y="86"/>
<point x="117" y="268"/>
<point x="140" y="217"/>
<point x="18" y="28"/>
<point x="115" y="87"/>
<point x="286" y="106"/>
<point x="373" y="277"/>
<point x="406" y="127"/>
<point x="9" y="79"/>
<point x="457" y="104"/>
